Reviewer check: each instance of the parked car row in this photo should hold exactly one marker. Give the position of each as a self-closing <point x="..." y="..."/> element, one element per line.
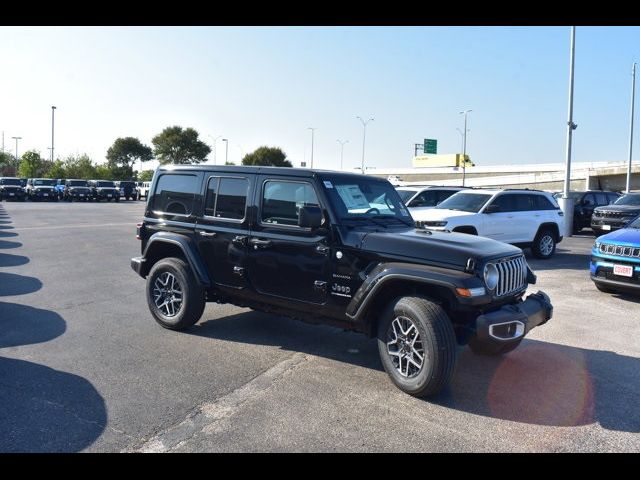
<point x="48" y="189"/>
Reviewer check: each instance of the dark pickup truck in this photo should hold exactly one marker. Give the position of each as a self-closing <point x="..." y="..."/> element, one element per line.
<point x="333" y="248"/>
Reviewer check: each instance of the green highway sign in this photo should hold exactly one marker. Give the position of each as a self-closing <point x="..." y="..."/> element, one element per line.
<point x="430" y="145"/>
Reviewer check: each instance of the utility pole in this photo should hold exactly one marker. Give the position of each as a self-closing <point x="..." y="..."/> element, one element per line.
<point x="566" y="202"/>
<point x="633" y="97"/>
<point x="341" y="150"/>
<point x="313" y="129"/>
<point x="464" y="146"/>
<point x="53" y="111"/>
<point x="364" y="136"/>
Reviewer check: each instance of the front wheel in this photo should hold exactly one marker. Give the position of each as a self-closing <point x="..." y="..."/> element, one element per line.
<point x="544" y="245"/>
<point x="417" y="346"/>
<point x="175" y="298"/>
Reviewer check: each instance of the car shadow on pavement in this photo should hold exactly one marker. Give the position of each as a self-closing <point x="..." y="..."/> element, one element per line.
<point x="9" y="260"/>
<point x="43" y="409"/>
<point x="4" y="234"/>
<point x="14" y="284"/>
<point x="562" y="259"/>
<point x="539" y="383"/>
<point x="6" y="227"/>
<point x="549" y="384"/>
<point x="292" y="335"/>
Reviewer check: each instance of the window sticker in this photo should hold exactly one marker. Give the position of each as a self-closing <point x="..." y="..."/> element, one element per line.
<point x="352" y="196"/>
<point x="328" y="184"/>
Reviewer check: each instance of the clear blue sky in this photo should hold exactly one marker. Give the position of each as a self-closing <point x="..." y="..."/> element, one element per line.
<point x="266" y="85"/>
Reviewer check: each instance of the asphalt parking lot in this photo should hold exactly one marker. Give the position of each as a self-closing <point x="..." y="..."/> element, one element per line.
<point x="83" y="366"/>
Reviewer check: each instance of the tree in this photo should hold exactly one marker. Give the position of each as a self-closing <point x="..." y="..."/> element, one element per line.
<point x="57" y="170"/>
<point x="31" y="165"/>
<point x="8" y="164"/>
<point x="124" y="153"/>
<point x="175" y="145"/>
<point x="267" y="156"/>
<point x="79" y="166"/>
<point x="103" y="172"/>
<point x="146" y="176"/>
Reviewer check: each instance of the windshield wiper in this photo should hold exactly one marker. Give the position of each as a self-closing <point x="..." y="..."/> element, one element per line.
<point x="407" y="223"/>
<point x="366" y="219"/>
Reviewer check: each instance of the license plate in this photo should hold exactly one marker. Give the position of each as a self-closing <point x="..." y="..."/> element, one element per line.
<point x="82" y="194"/>
<point x="606" y="227"/>
<point x="109" y="196"/>
<point x="46" y="194"/>
<point x="623" y="270"/>
<point x="11" y="194"/>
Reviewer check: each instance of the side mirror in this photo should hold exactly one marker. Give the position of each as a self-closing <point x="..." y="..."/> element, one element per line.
<point x="493" y="208"/>
<point x="310" y="217"/>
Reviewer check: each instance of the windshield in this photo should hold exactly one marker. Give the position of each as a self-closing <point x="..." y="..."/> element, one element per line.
<point x="10" y="181"/>
<point x="39" y="182"/>
<point x="106" y="184"/>
<point x="466" y="202"/>
<point x="77" y="183"/>
<point x="628" y="199"/>
<point x="358" y="197"/>
<point x="405" y="195"/>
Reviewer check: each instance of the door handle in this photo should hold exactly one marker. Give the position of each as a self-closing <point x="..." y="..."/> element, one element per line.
<point x="207" y="234"/>
<point x="323" y="249"/>
<point x="240" y="240"/>
<point x="257" y="243"/>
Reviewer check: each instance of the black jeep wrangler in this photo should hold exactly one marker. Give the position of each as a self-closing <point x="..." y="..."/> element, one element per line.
<point x="76" y="189"/>
<point x="334" y="248"/>
<point x="104" y="190"/>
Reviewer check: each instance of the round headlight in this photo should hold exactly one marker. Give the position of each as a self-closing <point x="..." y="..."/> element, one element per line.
<point x="491" y="276"/>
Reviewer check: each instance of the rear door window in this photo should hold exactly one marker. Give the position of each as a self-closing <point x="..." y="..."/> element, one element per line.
<point x="226" y="198"/>
<point x="175" y="193"/>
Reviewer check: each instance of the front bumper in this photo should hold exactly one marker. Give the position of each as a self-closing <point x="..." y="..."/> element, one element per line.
<point x="512" y="322"/>
<point x="11" y="194"/>
<point x="609" y="224"/>
<point x="601" y="272"/>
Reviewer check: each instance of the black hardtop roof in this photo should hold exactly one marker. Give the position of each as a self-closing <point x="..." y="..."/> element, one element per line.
<point x="285" y="171"/>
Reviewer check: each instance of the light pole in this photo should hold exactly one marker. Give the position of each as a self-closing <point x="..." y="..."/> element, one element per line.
<point x="341" y="150"/>
<point x="566" y="202"/>
<point x="16" y="139"/>
<point x="364" y="136"/>
<point x="226" y="150"/>
<point x="53" y="111"/>
<point x="464" y="145"/>
<point x="633" y="97"/>
<point x="313" y="129"/>
<point x="215" y="156"/>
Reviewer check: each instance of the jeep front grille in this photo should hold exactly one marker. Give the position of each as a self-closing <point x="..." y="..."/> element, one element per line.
<point x="512" y="276"/>
<point x="619" y="250"/>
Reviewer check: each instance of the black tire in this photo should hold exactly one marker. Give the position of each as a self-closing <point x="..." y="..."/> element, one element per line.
<point x="492" y="349"/>
<point x="540" y="247"/>
<point x="438" y="340"/>
<point x="193" y="294"/>
<point x="117" y="199"/>
<point x="604" y="289"/>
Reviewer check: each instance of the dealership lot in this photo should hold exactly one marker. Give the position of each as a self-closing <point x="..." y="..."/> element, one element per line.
<point x="84" y="367"/>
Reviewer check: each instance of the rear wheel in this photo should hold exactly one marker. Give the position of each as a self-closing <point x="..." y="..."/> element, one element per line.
<point x="417" y="346"/>
<point x="175" y="298"/>
<point x="544" y="245"/>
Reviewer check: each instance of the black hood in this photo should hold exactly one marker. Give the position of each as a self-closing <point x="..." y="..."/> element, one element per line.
<point x="618" y="209"/>
<point x="436" y="247"/>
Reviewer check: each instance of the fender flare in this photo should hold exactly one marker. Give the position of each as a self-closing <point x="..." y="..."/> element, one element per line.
<point x="189" y="250"/>
<point x="383" y="273"/>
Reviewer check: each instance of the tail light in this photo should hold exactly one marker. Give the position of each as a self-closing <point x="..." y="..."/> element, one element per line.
<point x="138" y="229"/>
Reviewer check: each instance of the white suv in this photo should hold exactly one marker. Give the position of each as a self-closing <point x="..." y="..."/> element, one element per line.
<point x="418" y="198"/>
<point x="526" y="218"/>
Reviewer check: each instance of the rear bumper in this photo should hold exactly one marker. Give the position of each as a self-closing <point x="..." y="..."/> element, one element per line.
<point x="137" y="264"/>
<point x="512" y="322"/>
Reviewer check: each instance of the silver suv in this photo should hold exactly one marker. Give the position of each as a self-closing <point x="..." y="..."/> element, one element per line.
<point x="526" y="218"/>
